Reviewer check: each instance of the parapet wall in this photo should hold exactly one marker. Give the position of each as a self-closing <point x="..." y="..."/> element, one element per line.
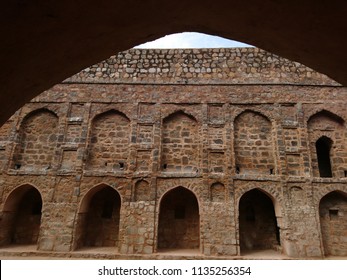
<point x="200" y="66"/>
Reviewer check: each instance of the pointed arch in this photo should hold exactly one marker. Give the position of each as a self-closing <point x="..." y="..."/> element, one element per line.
<point x="179" y="220"/>
<point x="253" y="144"/>
<point x="258" y="227"/>
<point x="37" y="137"/>
<point x="324" y="118"/>
<point x="104" y="114"/>
<point x="21" y="216"/>
<point x="180" y="143"/>
<point x="109" y="141"/>
<point x="179" y="114"/>
<point x="327" y="140"/>
<point x="99" y="218"/>
<point x="333" y="222"/>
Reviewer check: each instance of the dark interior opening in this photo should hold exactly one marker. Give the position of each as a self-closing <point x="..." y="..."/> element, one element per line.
<point x="323" y="147"/>
<point x="37" y="206"/>
<point x="258" y="224"/>
<point x="179" y="222"/>
<point x="333" y="213"/>
<point x="180" y="212"/>
<point x="107" y="210"/>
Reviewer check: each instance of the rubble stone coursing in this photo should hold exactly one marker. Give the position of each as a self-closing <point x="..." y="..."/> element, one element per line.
<point x="218" y="150"/>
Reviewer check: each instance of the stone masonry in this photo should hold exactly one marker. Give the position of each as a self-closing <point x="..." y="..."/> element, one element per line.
<point x="221" y="151"/>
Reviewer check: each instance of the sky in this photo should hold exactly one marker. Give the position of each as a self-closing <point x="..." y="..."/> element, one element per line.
<point x="189" y="40"/>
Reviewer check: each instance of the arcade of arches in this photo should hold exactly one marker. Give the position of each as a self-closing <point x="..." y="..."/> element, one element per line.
<point x="219" y="151"/>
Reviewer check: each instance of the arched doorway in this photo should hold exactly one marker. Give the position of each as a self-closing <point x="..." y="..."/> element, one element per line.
<point x="333" y="221"/>
<point x="179" y="220"/>
<point x="98" y="220"/>
<point x="258" y="228"/>
<point x="21" y="217"/>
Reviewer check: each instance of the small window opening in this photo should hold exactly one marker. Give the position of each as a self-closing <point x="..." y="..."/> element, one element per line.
<point x="323" y="147"/>
<point x="17" y="166"/>
<point x="164" y="166"/>
<point x="333" y="214"/>
<point x="105" y="163"/>
<point x="271" y="171"/>
<point x="345" y="173"/>
<point x="36" y="209"/>
<point x="107" y="210"/>
<point x="121" y="165"/>
<point x="180" y="212"/>
<point x="237" y="169"/>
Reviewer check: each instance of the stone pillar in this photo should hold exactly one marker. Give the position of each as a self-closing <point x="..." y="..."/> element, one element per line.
<point x="137" y="232"/>
<point x="57" y="227"/>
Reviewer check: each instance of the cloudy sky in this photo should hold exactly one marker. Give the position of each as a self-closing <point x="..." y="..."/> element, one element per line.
<point x="191" y="40"/>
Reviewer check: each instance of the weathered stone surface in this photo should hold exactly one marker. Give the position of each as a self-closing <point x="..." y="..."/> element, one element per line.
<point x="105" y="159"/>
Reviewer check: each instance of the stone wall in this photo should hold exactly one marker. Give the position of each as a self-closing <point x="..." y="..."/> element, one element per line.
<point x="214" y="140"/>
<point x="196" y="66"/>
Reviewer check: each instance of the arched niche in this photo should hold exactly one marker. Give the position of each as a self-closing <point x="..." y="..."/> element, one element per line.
<point x="333" y="222"/>
<point x="258" y="227"/>
<point x="21" y="216"/>
<point x="180" y="143"/>
<point x="253" y="144"/>
<point x="108" y="147"/>
<point x="37" y="137"/>
<point x="179" y="220"/>
<point x="98" y="218"/>
<point x="327" y="142"/>
<point x="142" y="191"/>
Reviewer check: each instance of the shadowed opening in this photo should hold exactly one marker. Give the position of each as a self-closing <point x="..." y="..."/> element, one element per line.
<point x="258" y="224"/>
<point x="179" y="225"/>
<point x="323" y="147"/>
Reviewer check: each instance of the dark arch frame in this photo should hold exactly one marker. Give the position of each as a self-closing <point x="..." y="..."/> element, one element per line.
<point x="53" y="58"/>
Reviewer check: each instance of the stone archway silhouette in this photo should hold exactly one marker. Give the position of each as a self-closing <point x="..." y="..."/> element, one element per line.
<point x="48" y="43"/>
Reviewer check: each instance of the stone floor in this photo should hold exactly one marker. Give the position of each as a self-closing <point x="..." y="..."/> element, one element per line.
<point x="15" y="252"/>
